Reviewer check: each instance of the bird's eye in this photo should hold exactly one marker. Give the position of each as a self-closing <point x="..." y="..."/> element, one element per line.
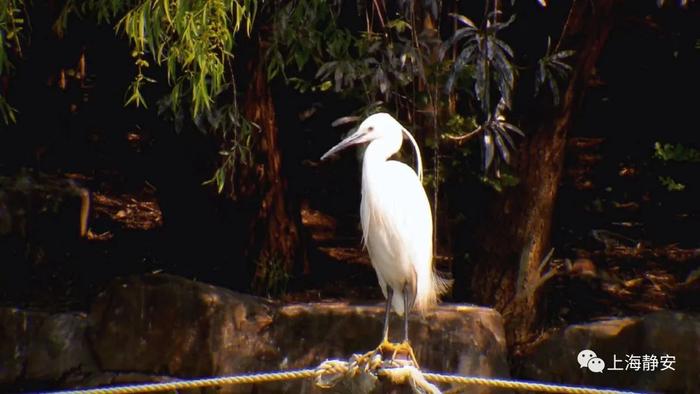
<point x="370" y="128"/>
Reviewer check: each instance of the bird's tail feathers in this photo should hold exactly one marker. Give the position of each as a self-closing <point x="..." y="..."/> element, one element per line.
<point x="431" y="285"/>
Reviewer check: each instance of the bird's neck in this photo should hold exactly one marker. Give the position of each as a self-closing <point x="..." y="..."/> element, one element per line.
<point x="379" y="150"/>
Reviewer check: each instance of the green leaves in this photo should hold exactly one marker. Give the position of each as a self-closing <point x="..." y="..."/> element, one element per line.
<point x="12" y="20"/>
<point x="194" y="39"/>
<point x="490" y="57"/>
<point x="496" y="134"/>
<point x="237" y="132"/>
<point x="7" y="111"/>
<point x="551" y="69"/>
<point x="671" y="184"/>
<point x="394" y="62"/>
<point x="11" y="27"/>
<point x="304" y="31"/>
<point x="489" y="61"/>
<point x="104" y="10"/>
<point x="371" y="66"/>
<point x="677" y="152"/>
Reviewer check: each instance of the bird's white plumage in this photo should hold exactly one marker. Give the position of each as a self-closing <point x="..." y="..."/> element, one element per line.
<point x="397" y="224"/>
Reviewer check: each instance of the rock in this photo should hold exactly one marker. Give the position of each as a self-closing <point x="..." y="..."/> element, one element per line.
<point x="658" y="334"/>
<point x="161" y="324"/>
<point x="458" y="339"/>
<point x="60" y="348"/>
<point x="158" y="327"/>
<point x="17" y="328"/>
<point x="41" y="347"/>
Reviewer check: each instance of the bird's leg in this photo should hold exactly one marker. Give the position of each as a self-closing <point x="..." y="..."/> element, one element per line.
<point x="406" y="344"/>
<point x="406" y="310"/>
<point x="389" y="296"/>
<point x="385" y="347"/>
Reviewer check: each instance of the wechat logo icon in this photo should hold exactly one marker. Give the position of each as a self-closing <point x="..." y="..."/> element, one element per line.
<point x="588" y="359"/>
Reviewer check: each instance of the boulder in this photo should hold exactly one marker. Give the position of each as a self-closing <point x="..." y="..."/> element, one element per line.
<point x="40" y="347"/>
<point x="160" y="327"/>
<point x="17" y="330"/>
<point x="672" y="335"/>
<point x="164" y="325"/>
<point x="60" y="348"/>
<point x="459" y="339"/>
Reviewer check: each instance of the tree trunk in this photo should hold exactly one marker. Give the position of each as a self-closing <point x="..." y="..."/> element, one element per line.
<point x="506" y="271"/>
<point x="274" y="243"/>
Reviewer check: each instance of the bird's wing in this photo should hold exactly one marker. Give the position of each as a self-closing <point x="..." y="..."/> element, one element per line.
<point x="399" y="208"/>
<point x="397" y="223"/>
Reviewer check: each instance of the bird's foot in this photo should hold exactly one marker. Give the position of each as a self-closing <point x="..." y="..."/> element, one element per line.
<point x="372" y="359"/>
<point x="395" y="352"/>
<point x="398" y="354"/>
<point x="405" y="352"/>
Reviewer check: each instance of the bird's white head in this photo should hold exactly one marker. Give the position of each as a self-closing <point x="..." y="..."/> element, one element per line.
<point x="384" y="129"/>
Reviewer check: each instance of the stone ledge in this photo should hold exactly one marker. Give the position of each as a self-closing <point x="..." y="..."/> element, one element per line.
<point x="160" y="325"/>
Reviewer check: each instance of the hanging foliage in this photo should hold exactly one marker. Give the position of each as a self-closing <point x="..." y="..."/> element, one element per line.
<point x="12" y="20"/>
<point x="398" y="63"/>
<point x="192" y="39"/>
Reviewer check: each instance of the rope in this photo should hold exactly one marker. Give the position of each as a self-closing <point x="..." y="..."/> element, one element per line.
<point x="197" y="383"/>
<point x="519" y="384"/>
<point x="330" y="372"/>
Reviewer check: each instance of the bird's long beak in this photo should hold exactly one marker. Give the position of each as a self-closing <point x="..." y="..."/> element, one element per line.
<point x="355" y="138"/>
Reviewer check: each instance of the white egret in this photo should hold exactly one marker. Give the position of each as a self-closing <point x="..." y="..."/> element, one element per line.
<point x="397" y="225"/>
